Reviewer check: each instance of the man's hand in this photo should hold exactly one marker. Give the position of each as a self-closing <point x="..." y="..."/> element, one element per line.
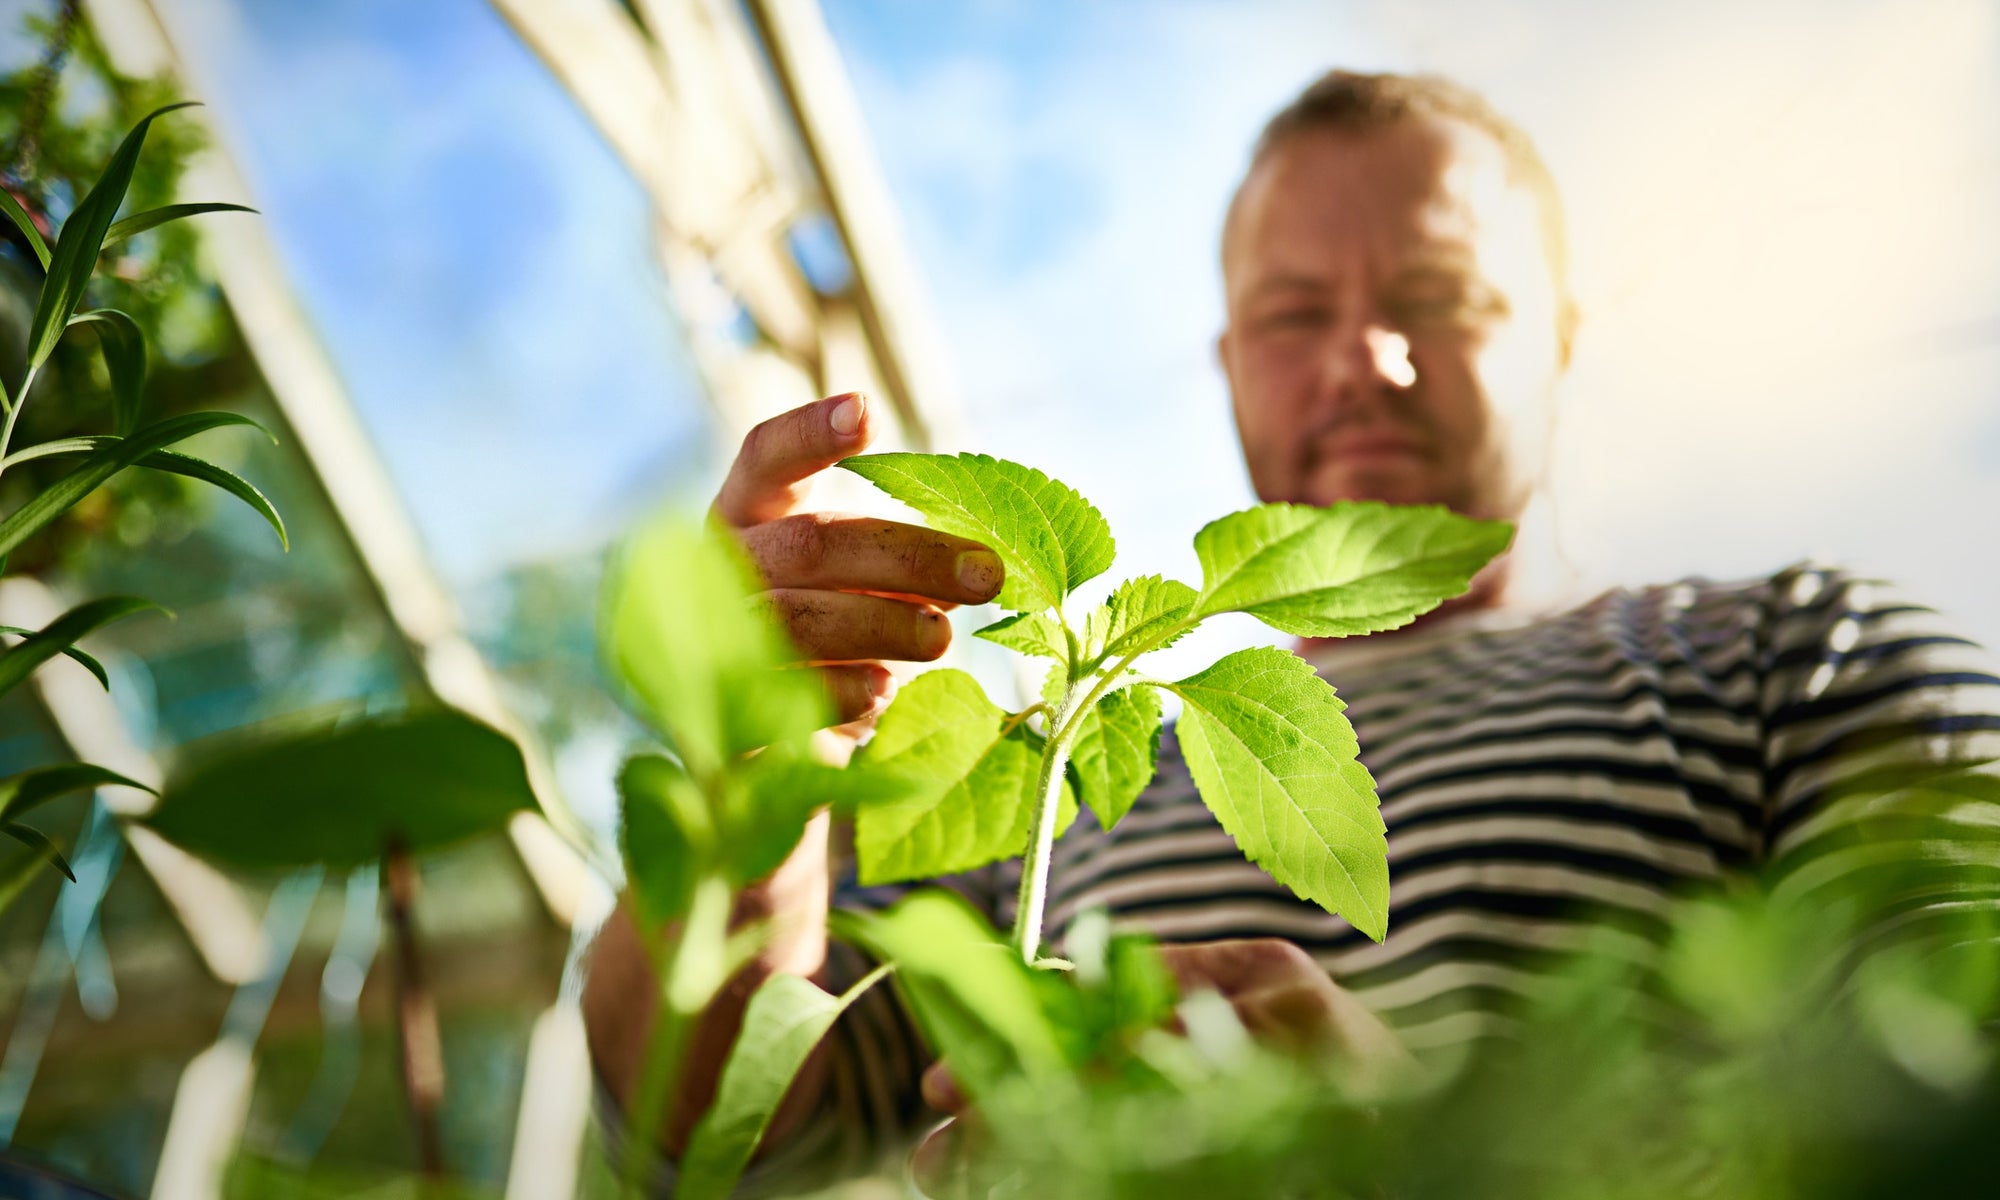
<point x="853" y="592"/>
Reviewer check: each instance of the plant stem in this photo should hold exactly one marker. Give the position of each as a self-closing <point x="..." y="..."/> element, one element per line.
<point x="416" y="1015"/>
<point x="694" y="964"/>
<point x="1032" y="905"/>
<point x="1041" y="843"/>
<point x="14" y="414"/>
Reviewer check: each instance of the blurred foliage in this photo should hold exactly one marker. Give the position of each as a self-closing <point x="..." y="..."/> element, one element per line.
<point x="196" y="353"/>
<point x="1831" y="1032"/>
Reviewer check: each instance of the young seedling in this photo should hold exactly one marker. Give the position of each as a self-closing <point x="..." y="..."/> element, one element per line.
<point x="1265" y="737"/>
<point x="67" y="270"/>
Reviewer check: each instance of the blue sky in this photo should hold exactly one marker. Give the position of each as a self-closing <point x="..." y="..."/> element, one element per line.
<point x="1781" y="219"/>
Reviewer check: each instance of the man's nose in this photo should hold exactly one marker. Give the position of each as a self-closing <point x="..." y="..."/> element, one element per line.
<point x="1369" y="357"/>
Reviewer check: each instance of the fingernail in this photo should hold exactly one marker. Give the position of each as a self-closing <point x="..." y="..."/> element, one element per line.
<point x="979" y="572"/>
<point x="936" y="635"/>
<point x="846" y="416"/>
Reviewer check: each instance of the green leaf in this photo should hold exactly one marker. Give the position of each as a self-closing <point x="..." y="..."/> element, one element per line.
<point x="24" y="222"/>
<point x="37" y="841"/>
<point x="699" y="662"/>
<point x="23" y="793"/>
<point x="173" y="462"/>
<point x="336" y="793"/>
<point x="18" y="869"/>
<point x="1035" y="634"/>
<point x="103" y="463"/>
<point x="88" y="662"/>
<point x="124" y="348"/>
<point x="972" y="995"/>
<point x="970" y="786"/>
<point x="1049" y="538"/>
<point x="79" y="241"/>
<point x="1137" y="611"/>
<point x="660" y="809"/>
<point x="1117" y="744"/>
<point x="139" y="223"/>
<point x="784" y="1021"/>
<point x="1357" y="567"/>
<point x="17" y="662"/>
<point x="772" y="797"/>
<point x="1276" y="761"/>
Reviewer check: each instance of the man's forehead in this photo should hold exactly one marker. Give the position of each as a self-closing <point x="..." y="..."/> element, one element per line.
<point x="1427" y="187"/>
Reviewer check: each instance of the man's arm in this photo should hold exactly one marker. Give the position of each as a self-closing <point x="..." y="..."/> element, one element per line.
<point x="853" y="593"/>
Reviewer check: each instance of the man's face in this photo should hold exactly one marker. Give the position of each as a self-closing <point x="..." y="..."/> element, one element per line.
<point x="1393" y="325"/>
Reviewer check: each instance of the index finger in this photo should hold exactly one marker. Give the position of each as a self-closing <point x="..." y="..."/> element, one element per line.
<point x="781" y="453"/>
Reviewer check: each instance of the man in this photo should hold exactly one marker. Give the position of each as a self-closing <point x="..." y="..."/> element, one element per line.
<point x="1398" y="318"/>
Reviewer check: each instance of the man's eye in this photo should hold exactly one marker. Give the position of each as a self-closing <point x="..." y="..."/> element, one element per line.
<point x="1456" y="307"/>
<point x="1301" y="317"/>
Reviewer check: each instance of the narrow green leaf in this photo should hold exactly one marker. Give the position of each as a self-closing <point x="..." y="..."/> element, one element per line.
<point x="970" y="783"/>
<point x="1117" y="745"/>
<point x="16" y="662"/>
<point x="1049" y="538"/>
<point x="1276" y="761"/>
<point x="81" y="238"/>
<point x="88" y="662"/>
<point x="173" y="462"/>
<point x="140" y="222"/>
<point x="784" y="1021"/>
<point x="176" y="463"/>
<point x="971" y="993"/>
<point x="1035" y="634"/>
<point x="26" y="224"/>
<point x="659" y="807"/>
<point x="102" y="464"/>
<point x="699" y="662"/>
<point x="124" y="348"/>
<point x="1135" y="613"/>
<point x="345" y="789"/>
<point x="1357" y="567"/>
<point x="35" y="840"/>
<point x="23" y="793"/>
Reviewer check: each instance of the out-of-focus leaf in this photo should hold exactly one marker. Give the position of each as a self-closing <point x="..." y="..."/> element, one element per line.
<point x="139" y="223"/>
<point x="86" y="661"/>
<point x="659" y="806"/>
<point x="81" y="238"/>
<point x="1048" y="537"/>
<point x="23" y="793"/>
<point x="772" y="797"/>
<point x="16" y="662"/>
<point x="971" y="993"/>
<point x="35" y="840"/>
<point x="124" y="349"/>
<point x="18" y="869"/>
<point x="704" y="666"/>
<point x="1275" y="759"/>
<point x="102" y="464"/>
<point x="784" y="1021"/>
<point x="26" y="224"/>
<point x="337" y="793"/>
<point x="173" y="462"/>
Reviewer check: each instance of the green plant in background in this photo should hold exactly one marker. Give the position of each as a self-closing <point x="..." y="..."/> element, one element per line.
<point x="1264" y="736"/>
<point x="342" y="793"/>
<point x="719" y="806"/>
<point x="68" y="267"/>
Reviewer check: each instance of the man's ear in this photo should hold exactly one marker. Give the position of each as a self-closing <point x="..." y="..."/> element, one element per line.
<point x="1568" y="317"/>
<point x="1225" y="353"/>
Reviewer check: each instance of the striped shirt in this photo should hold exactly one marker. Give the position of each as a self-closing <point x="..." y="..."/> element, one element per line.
<point x="1545" y="782"/>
